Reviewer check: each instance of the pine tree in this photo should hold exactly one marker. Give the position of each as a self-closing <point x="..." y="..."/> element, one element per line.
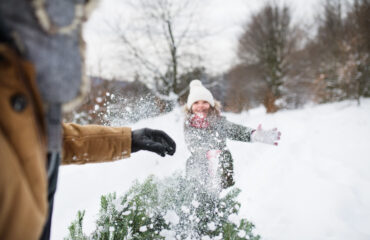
<point x="174" y="208"/>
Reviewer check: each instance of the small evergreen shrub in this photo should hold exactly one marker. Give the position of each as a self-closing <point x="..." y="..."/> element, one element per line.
<point x="75" y="229"/>
<point x="174" y="208"/>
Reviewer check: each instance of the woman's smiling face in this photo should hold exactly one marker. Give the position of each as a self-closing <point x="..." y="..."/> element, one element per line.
<point x="200" y="108"/>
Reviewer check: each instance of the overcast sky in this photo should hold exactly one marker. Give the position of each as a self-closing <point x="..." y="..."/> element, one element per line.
<point x="224" y="18"/>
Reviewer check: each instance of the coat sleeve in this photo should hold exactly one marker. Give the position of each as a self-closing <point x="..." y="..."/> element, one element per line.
<point x="94" y="143"/>
<point x="237" y="132"/>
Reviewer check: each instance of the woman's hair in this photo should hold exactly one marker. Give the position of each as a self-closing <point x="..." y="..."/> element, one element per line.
<point x="213" y="111"/>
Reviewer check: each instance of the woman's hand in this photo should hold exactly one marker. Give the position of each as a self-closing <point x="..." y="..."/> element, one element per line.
<point x="266" y="136"/>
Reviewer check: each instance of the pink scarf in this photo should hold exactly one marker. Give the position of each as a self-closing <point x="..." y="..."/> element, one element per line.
<point x="199" y="121"/>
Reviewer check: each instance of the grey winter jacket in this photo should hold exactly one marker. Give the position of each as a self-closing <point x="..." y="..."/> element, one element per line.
<point x="213" y="137"/>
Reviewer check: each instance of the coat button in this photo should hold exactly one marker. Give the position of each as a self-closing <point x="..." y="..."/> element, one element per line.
<point x="18" y="102"/>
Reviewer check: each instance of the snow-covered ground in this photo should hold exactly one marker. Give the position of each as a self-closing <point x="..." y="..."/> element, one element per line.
<point x="314" y="185"/>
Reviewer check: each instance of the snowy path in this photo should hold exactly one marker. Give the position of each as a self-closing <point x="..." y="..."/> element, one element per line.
<point x="315" y="185"/>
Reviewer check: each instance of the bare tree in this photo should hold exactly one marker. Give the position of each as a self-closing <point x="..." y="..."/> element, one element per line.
<point x="354" y="75"/>
<point x="330" y="36"/>
<point x="344" y="46"/>
<point x="267" y="41"/>
<point x="245" y="88"/>
<point x="161" y="42"/>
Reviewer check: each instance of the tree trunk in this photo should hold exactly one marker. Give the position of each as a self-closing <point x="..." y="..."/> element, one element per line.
<point x="269" y="102"/>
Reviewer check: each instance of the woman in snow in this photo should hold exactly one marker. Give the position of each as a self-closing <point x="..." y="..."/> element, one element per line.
<point x="206" y="132"/>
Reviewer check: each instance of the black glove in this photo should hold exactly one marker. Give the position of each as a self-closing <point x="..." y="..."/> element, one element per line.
<point x="152" y="140"/>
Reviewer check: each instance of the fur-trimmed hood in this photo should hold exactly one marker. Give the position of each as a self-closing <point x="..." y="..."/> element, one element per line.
<point x="49" y="34"/>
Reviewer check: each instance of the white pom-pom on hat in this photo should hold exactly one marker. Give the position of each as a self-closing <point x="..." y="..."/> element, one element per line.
<point x="195" y="83"/>
<point x="198" y="92"/>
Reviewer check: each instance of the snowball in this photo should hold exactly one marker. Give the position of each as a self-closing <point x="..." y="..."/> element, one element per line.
<point x="185" y="209"/>
<point x="171" y="217"/>
<point x="99" y="99"/>
<point x="195" y="203"/>
<point x="117" y="205"/>
<point x="119" y="208"/>
<point x="126" y="213"/>
<point x="167" y="234"/>
<point x="143" y="229"/>
<point x="211" y="226"/>
<point x="242" y="233"/>
<point x="234" y="219"/>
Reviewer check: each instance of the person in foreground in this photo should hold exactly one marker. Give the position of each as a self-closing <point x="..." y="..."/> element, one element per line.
<point x="41" y="73"/>
<point x="206" y="131"/>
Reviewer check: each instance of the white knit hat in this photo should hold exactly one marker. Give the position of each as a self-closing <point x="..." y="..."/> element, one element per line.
<point x="198" y="92"/>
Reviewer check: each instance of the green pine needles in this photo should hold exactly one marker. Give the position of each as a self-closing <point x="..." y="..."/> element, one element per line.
<point x="174" y="208"/>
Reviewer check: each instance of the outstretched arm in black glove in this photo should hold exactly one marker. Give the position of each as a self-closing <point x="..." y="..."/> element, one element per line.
<point x="152" y="140"/>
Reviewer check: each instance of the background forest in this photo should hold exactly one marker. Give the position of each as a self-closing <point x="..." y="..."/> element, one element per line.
<point x="279" y="62"/>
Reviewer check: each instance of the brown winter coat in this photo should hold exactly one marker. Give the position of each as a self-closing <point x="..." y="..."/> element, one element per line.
<point x="23" y="180"/>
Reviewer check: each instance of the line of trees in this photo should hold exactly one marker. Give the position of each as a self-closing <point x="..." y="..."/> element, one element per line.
<point x="280" y="66"/>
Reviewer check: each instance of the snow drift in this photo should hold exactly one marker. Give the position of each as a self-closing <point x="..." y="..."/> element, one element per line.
<point x="314" y="185"/>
